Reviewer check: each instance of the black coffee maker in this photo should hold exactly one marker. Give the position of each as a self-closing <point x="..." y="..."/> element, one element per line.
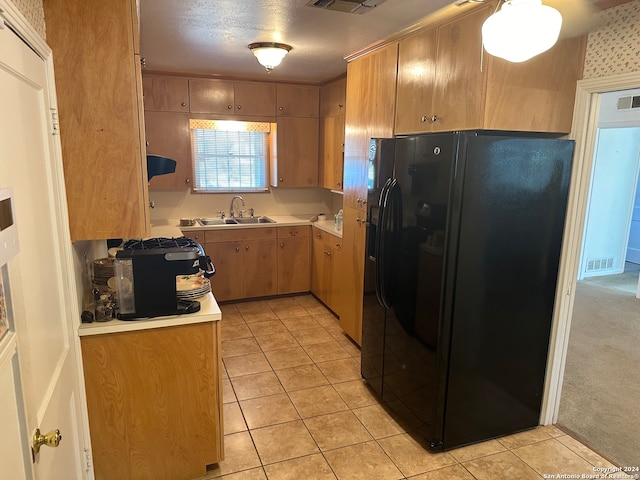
<point x="146" y="272"/>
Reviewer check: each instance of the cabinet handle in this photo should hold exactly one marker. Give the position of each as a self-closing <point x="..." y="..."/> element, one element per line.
<point x="293" y="232"/>
<point x="281" y="109"/>
<point x="281" y="179"/>
<point x="187" y="181"/>
<point x="423" y="118"/>
<point x="184" y="104"/>
<point x="340" y="105"/>
<point x="364" y="202"/>
<point x="237" y="249"/>
<point x="318" y="235"/>
<point x="358" y="200"/>
<point x="246" y="247"/>
<point x="147" y="143"/>
<point x="337" y="245"/>
<point x="239" y="107"/>
<point x="358" y="220"/>
<point x="328" y="254"/>
<point x="282" y="245"/>
<point x="337" y="184"/>
<point x="434" y="119"/>
<point x="229" y="107"/>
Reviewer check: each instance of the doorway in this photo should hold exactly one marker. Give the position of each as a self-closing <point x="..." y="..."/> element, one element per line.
<point x="570" y="301"/>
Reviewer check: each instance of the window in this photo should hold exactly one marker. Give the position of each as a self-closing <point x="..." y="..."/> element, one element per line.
<point x="229" y="155"/>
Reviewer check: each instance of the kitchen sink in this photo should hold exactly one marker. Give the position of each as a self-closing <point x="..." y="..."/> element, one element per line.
<point x="234" y="221"/>
<point x="250" y="220"/>
<point x="217" y="221"/>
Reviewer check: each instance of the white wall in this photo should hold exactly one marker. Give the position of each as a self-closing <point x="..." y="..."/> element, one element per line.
<point x="611" y="199"/>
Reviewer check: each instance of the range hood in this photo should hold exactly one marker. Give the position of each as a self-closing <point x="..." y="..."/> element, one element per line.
<point x="157" y="165"/>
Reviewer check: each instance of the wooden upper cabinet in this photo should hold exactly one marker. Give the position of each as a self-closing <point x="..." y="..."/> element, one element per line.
<point x="101" y="126"/>
<point x="333" y="97"/>
<point x="458" y="93"/>
<point x="253" y="98"/>
<point x="165" y="94"/>
<point x="168" y="135"/>
<point x="416" y="78"/>
<point x="446" y="81"/>
<point x="371" y="100"/>
<point x="537" y="95"/>
<point x="225" y="97"/>
<point x="298" y="101"/>
<point x="211" y="96"/>
<point x="294" y="158"/>
<point x="331" y="151"/>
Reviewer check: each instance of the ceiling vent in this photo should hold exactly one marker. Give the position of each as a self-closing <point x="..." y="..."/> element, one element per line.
<point x="347" y="6"/>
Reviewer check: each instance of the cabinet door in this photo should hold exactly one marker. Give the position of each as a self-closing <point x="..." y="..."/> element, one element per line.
<point x="297" y="152"/>
<point x="331" y="157"/>
<point x="351" y="274"/>
<point x="335" y="283"/>
<point x="298" y="101"/>
<point x="260" y="268"/>
<point x="100" y="128"/>
<point x="416" y="76"/>
<point x="227" y="283"/>
<point x="211" y="96"/>
<point x="458" y="96"/>
<point x="168" y="136"/>
<point x="197" y="235"/>
<point x="166" y="94"/>
<point x="294" y="263"/>
<point x="370" y="113"/>
<point x="161" y="373"/>
<point x="253" y="98"/>
<point x="319" y="266"/>
<point x="333" y="97"/>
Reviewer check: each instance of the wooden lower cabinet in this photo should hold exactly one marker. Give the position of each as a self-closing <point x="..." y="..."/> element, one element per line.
<point x="154" y="399"/>
<point x="327" y="256"/>
<point x="350" y="276"/>
<point x="294" y="260"/>
<point x="245" y="262"/>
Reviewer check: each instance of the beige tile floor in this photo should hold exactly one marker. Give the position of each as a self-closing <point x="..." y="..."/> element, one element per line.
<point x="295" y="407"/>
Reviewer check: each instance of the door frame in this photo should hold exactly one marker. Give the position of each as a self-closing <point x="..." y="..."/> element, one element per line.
<point x="584" y="130"/>
<point x="68" y="265"/>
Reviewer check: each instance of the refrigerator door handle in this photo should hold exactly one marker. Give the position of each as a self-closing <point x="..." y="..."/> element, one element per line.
<point x="379" y="242"/>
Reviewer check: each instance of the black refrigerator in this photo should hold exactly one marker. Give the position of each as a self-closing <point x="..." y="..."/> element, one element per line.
<point x="463" y="246"/>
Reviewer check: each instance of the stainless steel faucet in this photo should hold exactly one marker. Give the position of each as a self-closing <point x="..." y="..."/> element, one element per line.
<point x="231" y="210"/>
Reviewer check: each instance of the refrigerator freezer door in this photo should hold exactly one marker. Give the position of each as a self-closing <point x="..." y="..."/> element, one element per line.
<point x="510" y="233"/>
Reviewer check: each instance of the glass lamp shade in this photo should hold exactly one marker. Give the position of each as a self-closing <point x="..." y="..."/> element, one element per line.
<point x="269" y="54"/>
<point x="521" y="29"/>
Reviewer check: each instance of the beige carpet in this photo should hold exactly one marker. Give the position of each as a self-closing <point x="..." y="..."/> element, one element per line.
<point x="600" y="402"/>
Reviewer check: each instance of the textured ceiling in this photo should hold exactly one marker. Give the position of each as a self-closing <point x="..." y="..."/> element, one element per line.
<point x="210" y="37"/>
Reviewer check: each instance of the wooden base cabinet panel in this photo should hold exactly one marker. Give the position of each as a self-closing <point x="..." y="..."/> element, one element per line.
<point x="245" y="261"/>
<point x="294" y="260"/>
<point x="327" y="256"/>
<point x="154" y="399"/>
<point x="350" y="277"/>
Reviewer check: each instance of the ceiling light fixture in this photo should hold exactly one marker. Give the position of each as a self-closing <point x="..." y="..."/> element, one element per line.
<point x="269" y="54"/>
<point x="521" y="30"/>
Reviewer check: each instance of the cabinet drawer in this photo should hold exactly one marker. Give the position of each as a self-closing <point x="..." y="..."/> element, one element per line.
<point x="197" y="235"/>
<point x="293" y="231"/>
<point x="237" y="234"/>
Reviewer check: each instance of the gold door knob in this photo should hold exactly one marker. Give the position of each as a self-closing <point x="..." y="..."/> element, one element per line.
<point x="51" y="439"/>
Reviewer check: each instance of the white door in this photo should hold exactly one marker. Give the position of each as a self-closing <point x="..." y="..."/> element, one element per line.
<point x="43" y="297"/>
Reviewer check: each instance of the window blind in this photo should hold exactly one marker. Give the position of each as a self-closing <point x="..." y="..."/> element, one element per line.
<point x="229" y="158"/>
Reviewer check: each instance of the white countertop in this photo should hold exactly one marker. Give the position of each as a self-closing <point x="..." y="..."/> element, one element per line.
<point x="209" y="312"/>
<point x="171" y="227"/>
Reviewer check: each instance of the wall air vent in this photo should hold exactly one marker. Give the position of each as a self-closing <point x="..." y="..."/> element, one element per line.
<point x="626" y="103"/>
<point x="347" y="6"/>
<point x="599" y="264"/>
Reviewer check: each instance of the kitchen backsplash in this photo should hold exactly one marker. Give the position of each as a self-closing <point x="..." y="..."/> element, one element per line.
<point x="289" y="201"/>
<point x="614" y="47"/>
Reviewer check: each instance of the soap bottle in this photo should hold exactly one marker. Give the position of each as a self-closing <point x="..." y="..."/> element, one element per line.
<point x="337" y="223"/>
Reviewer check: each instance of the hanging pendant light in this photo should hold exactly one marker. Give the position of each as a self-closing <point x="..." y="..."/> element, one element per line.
<point x="521" y="29"/>
<point x="269" y="54"/>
